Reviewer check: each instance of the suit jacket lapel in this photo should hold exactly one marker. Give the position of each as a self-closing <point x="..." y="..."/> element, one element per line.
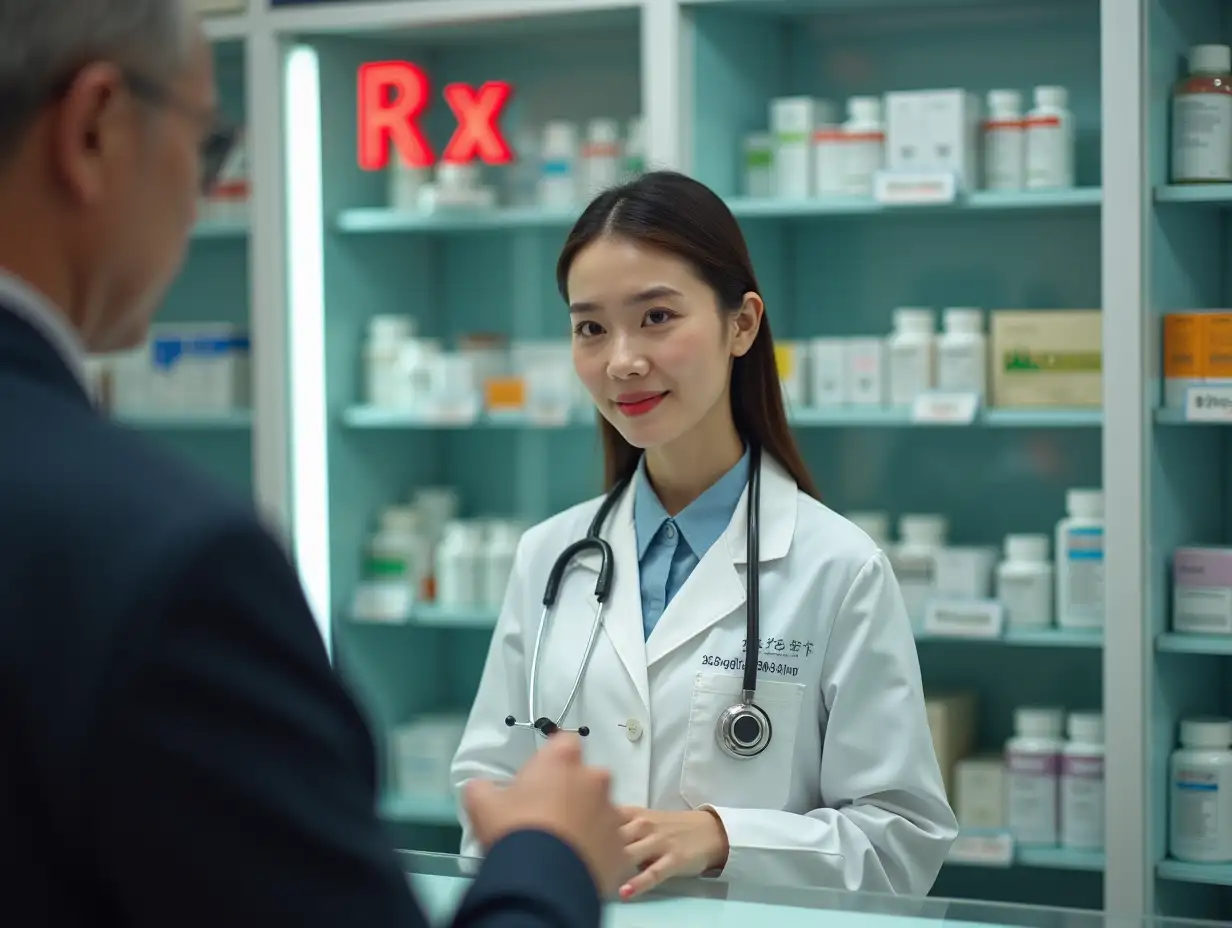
<point x="27" y="353"/>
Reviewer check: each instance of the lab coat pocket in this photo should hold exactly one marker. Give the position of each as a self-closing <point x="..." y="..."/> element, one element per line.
<point x="710" y="775"/>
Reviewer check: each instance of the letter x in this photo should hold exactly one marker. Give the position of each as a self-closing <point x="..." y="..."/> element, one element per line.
<point x="478" y="134"/>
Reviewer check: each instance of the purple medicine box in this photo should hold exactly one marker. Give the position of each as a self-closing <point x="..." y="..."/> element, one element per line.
<point x="1202" y="591"/>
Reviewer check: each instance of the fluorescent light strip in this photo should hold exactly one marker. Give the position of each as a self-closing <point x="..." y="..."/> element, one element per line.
<point x="306" y="331"/>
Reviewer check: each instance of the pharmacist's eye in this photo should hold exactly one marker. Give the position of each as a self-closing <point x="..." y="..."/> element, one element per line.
<point x="660" y="316"/>
<point x="587" y="329"/>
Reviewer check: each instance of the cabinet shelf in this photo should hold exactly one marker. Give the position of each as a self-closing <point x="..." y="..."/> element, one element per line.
<point x="220" y="229"/>
<point x="369" y="417"/>
<point x="172" y="421"/>
<point x="996" y="849"/>
<point x="1059" y="858"/>
<point x="1021" y="638"/>
<point x="379" y="220"/>
<point x="446" y="19"/>
<point x="226" y="27"/>
<point x="429" y="615"/>
<point x="373" y="417"/>
<point x="1217" y="195"/>
<point x="419" y="810"/>
<point x="1178" y="417"/>
<point x="1210" y="874"/>
<point x="1183" y="643"/>
<point x="978" y="202"/>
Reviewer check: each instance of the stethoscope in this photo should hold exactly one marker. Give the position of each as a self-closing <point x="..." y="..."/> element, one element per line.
<point x="743" y="729"/>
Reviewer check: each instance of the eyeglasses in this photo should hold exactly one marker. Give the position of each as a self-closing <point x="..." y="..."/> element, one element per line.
<point x="219" y="140"/>
<point x="215" y="147"/>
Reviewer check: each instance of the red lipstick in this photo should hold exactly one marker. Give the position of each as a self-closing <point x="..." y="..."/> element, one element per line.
<point x="638" y="404"/>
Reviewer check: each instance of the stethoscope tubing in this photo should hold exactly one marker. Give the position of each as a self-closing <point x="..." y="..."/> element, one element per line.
<point x="603" y="588"/>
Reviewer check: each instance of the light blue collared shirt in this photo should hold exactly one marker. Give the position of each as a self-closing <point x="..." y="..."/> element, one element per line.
<point x="669" y="548"/>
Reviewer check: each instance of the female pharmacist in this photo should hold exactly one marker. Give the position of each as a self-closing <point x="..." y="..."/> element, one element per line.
<point x="829" y="777"/>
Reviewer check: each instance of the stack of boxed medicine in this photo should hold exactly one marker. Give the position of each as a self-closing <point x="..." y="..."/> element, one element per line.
<point x="181" y="369"/>
<point x="1197" y="352"/>
<point x="1007" y="357"/>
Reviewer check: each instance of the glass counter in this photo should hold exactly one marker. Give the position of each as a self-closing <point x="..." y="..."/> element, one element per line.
<point x="440" y="880"/>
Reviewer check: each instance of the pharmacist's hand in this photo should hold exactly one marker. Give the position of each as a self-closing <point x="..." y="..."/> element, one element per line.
<point x="667" y="844"/>
<point x="556" y="793"/>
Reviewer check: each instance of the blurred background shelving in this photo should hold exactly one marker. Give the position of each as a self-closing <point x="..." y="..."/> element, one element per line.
<point x="460" y="271"/>
<point x="831" y="267"/>
<point x="1187" y="247"/>
<point x="454" y="271"/>
<point x="818" y="261"/>
<point x="162" y="388"/>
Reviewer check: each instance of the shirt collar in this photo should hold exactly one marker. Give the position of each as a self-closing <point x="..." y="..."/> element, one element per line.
<point x="702" y="522"/>
<point x="24" y="301"/>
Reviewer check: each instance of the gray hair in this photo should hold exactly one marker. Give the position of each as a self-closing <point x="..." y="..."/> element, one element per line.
<point x="42" y="41"/>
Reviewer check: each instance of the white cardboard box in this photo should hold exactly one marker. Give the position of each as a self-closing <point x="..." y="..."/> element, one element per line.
<point x="934" y="131"/>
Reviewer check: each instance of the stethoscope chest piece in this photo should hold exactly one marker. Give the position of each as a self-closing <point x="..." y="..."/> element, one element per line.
<point x="743" y="730"/>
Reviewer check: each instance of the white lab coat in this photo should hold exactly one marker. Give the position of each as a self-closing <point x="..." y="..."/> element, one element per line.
<point x="848" y="794"/>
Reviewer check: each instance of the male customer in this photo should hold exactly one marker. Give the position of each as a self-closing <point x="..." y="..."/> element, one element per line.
<point x="174" y="747"/>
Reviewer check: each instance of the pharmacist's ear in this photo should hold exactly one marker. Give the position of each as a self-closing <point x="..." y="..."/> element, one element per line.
<point x="745" y="323"/>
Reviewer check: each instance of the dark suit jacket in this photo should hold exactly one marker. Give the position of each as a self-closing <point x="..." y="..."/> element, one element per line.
<point x="175" y="749"/>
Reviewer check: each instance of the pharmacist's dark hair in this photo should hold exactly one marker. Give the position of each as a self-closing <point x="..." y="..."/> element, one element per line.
<point x="670" y="212"/>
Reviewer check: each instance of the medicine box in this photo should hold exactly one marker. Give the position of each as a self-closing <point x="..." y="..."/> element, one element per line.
<point x="828" y="371"/>
<point x="867" y="373"/>
<point x="1197" y="352"/>
<point x="979" y="786"/>
<point x="791" y="359"/>
<point x="933" y="131"/>
<point x="964" y="573"/>
<point x="951" y="719"/>
<point x="1046" y="358"/>
<point x="1202" y="590"/>
<point x="546" y="370"/>
<point x="184" y="369"/>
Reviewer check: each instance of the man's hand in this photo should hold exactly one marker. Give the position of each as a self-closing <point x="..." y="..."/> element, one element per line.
<point x="667" y="844"/>
<point x="556" y="793"/>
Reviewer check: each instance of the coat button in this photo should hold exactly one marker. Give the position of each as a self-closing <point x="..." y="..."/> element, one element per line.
<point x="633" y="730"/>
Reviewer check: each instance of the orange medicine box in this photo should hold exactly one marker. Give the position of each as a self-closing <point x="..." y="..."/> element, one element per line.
<point x="1197" y="351"/>
<point x="504" y="394"/>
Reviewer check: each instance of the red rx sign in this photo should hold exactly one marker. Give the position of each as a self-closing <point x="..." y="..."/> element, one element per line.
<point x="393" y="95"/>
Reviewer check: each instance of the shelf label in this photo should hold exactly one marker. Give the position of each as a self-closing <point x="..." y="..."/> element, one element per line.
<point x="894" y="189"/>
<point x="938" y="408"/>
<point x="455" y="414"/>
<point x="548" y="417"/>
<point x="1208" y="404"/>
<point x="393" y="97"/>
<point x="980" y="618"/>
<point x="983" y="850"/>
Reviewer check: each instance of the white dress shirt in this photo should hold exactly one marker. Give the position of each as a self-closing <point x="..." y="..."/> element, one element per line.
<point x="20" y="298"/>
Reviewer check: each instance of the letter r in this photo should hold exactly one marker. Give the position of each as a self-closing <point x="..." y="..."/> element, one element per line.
<point x="392" y="96"/>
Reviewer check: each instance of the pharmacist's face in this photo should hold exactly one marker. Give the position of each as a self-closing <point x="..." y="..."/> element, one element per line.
<point x="649" y="341"/>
